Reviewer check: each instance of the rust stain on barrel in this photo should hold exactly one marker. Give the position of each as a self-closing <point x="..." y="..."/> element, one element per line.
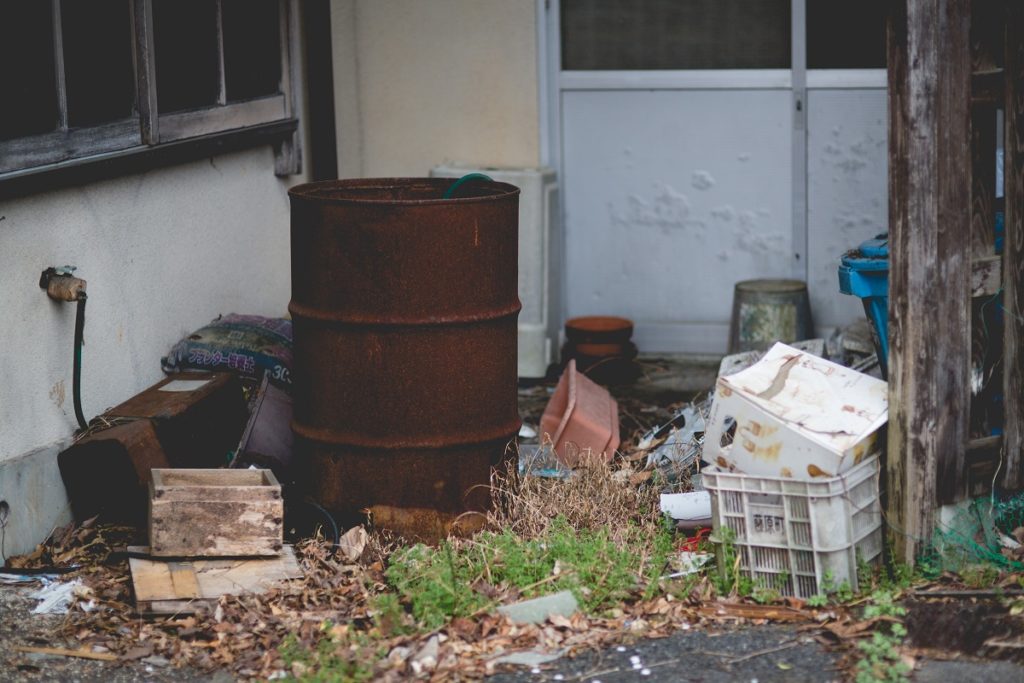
<point x="405" y="308"/>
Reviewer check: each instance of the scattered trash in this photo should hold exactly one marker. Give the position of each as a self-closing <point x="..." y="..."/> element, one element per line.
<point x="527" y="432"/>
<point x="581" y="420"/>
<point x="539" y="460"/>
<point x="426" y="658"/>
<point x="691" y="510"/>
<point x="532" y="658"/>
<point x="352" y="543"/>
<point x="676" y="446"/>
<point x="57" y="598"/>
<point x="8" y="579"/>
<point x="688" y="562"/>
<point x="796" y="415"/>
<point x="538" y="610"/>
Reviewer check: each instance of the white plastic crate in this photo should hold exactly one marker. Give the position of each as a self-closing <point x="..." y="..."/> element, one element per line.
<point x="790" y="533"/>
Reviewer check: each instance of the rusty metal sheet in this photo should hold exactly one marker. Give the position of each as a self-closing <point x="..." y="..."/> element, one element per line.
<point x="198" y="416"/>
<point x="405" y="307"/>
<point x="108" y="472"/>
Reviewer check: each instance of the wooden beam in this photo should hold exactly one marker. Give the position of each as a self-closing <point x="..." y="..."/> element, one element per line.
<point x="930" y="223"/>
<point x="986" y="95"/>
<point x="1013" y="250"/>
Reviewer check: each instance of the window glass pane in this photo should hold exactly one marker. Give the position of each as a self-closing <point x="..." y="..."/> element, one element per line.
<point x="186" y="54"/>
<point x="675" y="34"/>
<point x="27" y="79"/>
<point x="98" y="72"/>
<point x="252" y="48"/>
<point x="845" y="35"/>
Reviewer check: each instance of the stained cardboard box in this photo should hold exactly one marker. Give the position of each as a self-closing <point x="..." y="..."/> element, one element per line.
<point x="795" y="415"/>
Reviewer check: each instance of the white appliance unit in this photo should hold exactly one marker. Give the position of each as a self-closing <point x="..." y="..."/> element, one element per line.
<point x="540" y="260"/>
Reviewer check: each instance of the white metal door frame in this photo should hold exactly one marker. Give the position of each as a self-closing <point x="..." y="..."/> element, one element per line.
<point x="552" y="82"/>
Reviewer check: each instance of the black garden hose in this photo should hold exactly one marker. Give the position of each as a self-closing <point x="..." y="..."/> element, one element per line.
<point x="76" y="388"/>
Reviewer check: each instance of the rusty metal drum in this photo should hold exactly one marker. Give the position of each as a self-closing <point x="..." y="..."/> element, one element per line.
<point x="405" y="307"/>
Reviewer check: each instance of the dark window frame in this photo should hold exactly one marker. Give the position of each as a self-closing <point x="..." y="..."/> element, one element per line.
<point x="143" y="134"/>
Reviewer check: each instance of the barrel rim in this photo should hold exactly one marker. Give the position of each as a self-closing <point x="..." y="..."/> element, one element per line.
<point x="772" y="285"/>
<point x="308" y="192"/>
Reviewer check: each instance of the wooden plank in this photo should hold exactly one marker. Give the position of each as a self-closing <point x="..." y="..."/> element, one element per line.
<point x="288" y="153"/>
<point x="184" y="580"/>
<point x="222" y="89"/>
<point x="1013" y="251"/>
<point x="212" y="477"/>
<point x="145" y="68"/>
<point x="58" y="65"/>
<point x="929" y="203"/>
<point x="151" y="580"/>
<point x="986" y="35"/>
<point x="81" y="653"/>
<point x="167" y="587"/>
<point x="986" y="92"/>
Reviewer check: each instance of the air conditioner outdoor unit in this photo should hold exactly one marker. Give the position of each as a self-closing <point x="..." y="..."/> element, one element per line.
<point x="540" y="258"/>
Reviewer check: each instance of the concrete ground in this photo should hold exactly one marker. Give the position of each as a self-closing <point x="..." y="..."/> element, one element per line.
<point x="753" y="653"/>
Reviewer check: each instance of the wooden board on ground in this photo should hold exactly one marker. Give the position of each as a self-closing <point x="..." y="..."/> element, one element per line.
<point x="180" y="587"/>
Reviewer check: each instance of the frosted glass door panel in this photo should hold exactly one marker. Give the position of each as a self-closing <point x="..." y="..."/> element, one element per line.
<point x="671" y="198"/>
<point x="847" y="190"/>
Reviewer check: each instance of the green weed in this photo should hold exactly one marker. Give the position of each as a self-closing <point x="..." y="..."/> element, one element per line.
<point x="461" y="578"/>
<point x="880" y="656"/>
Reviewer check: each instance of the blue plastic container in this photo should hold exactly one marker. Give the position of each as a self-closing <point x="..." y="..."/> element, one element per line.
<point x="864" y="272"/>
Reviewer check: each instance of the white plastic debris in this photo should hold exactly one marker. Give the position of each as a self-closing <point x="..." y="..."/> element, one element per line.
<point x="527" y="432"/>
<point x="532" y="658"/>
<point x="426" y="659"/>
<point x="19" y="579"/>
<point x="676" y="445"/>
<point x="55" y="598"/>
<point x="688" y="562"/>
<point x="692" y="508"/>
<point x="352" y="543"/>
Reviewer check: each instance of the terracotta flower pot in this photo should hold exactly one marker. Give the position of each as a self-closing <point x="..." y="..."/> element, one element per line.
<point x="580" y="418"/>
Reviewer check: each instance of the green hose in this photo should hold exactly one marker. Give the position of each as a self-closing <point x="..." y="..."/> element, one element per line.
<point x="469" y="176"/>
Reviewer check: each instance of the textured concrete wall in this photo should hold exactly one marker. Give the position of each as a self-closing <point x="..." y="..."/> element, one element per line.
<point x="420" y="83"/>
<point x="163" y="252"/>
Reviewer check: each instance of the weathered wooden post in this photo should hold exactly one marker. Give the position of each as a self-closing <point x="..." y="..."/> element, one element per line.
<point x="930" y="250"/>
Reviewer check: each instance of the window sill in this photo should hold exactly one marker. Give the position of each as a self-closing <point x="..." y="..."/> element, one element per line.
<point x="142" y="158"/>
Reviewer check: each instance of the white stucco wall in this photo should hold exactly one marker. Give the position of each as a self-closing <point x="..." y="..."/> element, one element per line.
<point x="163" y="252"/>
<point x="420" y="83"/>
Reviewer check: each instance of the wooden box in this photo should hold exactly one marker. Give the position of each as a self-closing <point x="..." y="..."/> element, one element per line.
<point x="215" y="513"/>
